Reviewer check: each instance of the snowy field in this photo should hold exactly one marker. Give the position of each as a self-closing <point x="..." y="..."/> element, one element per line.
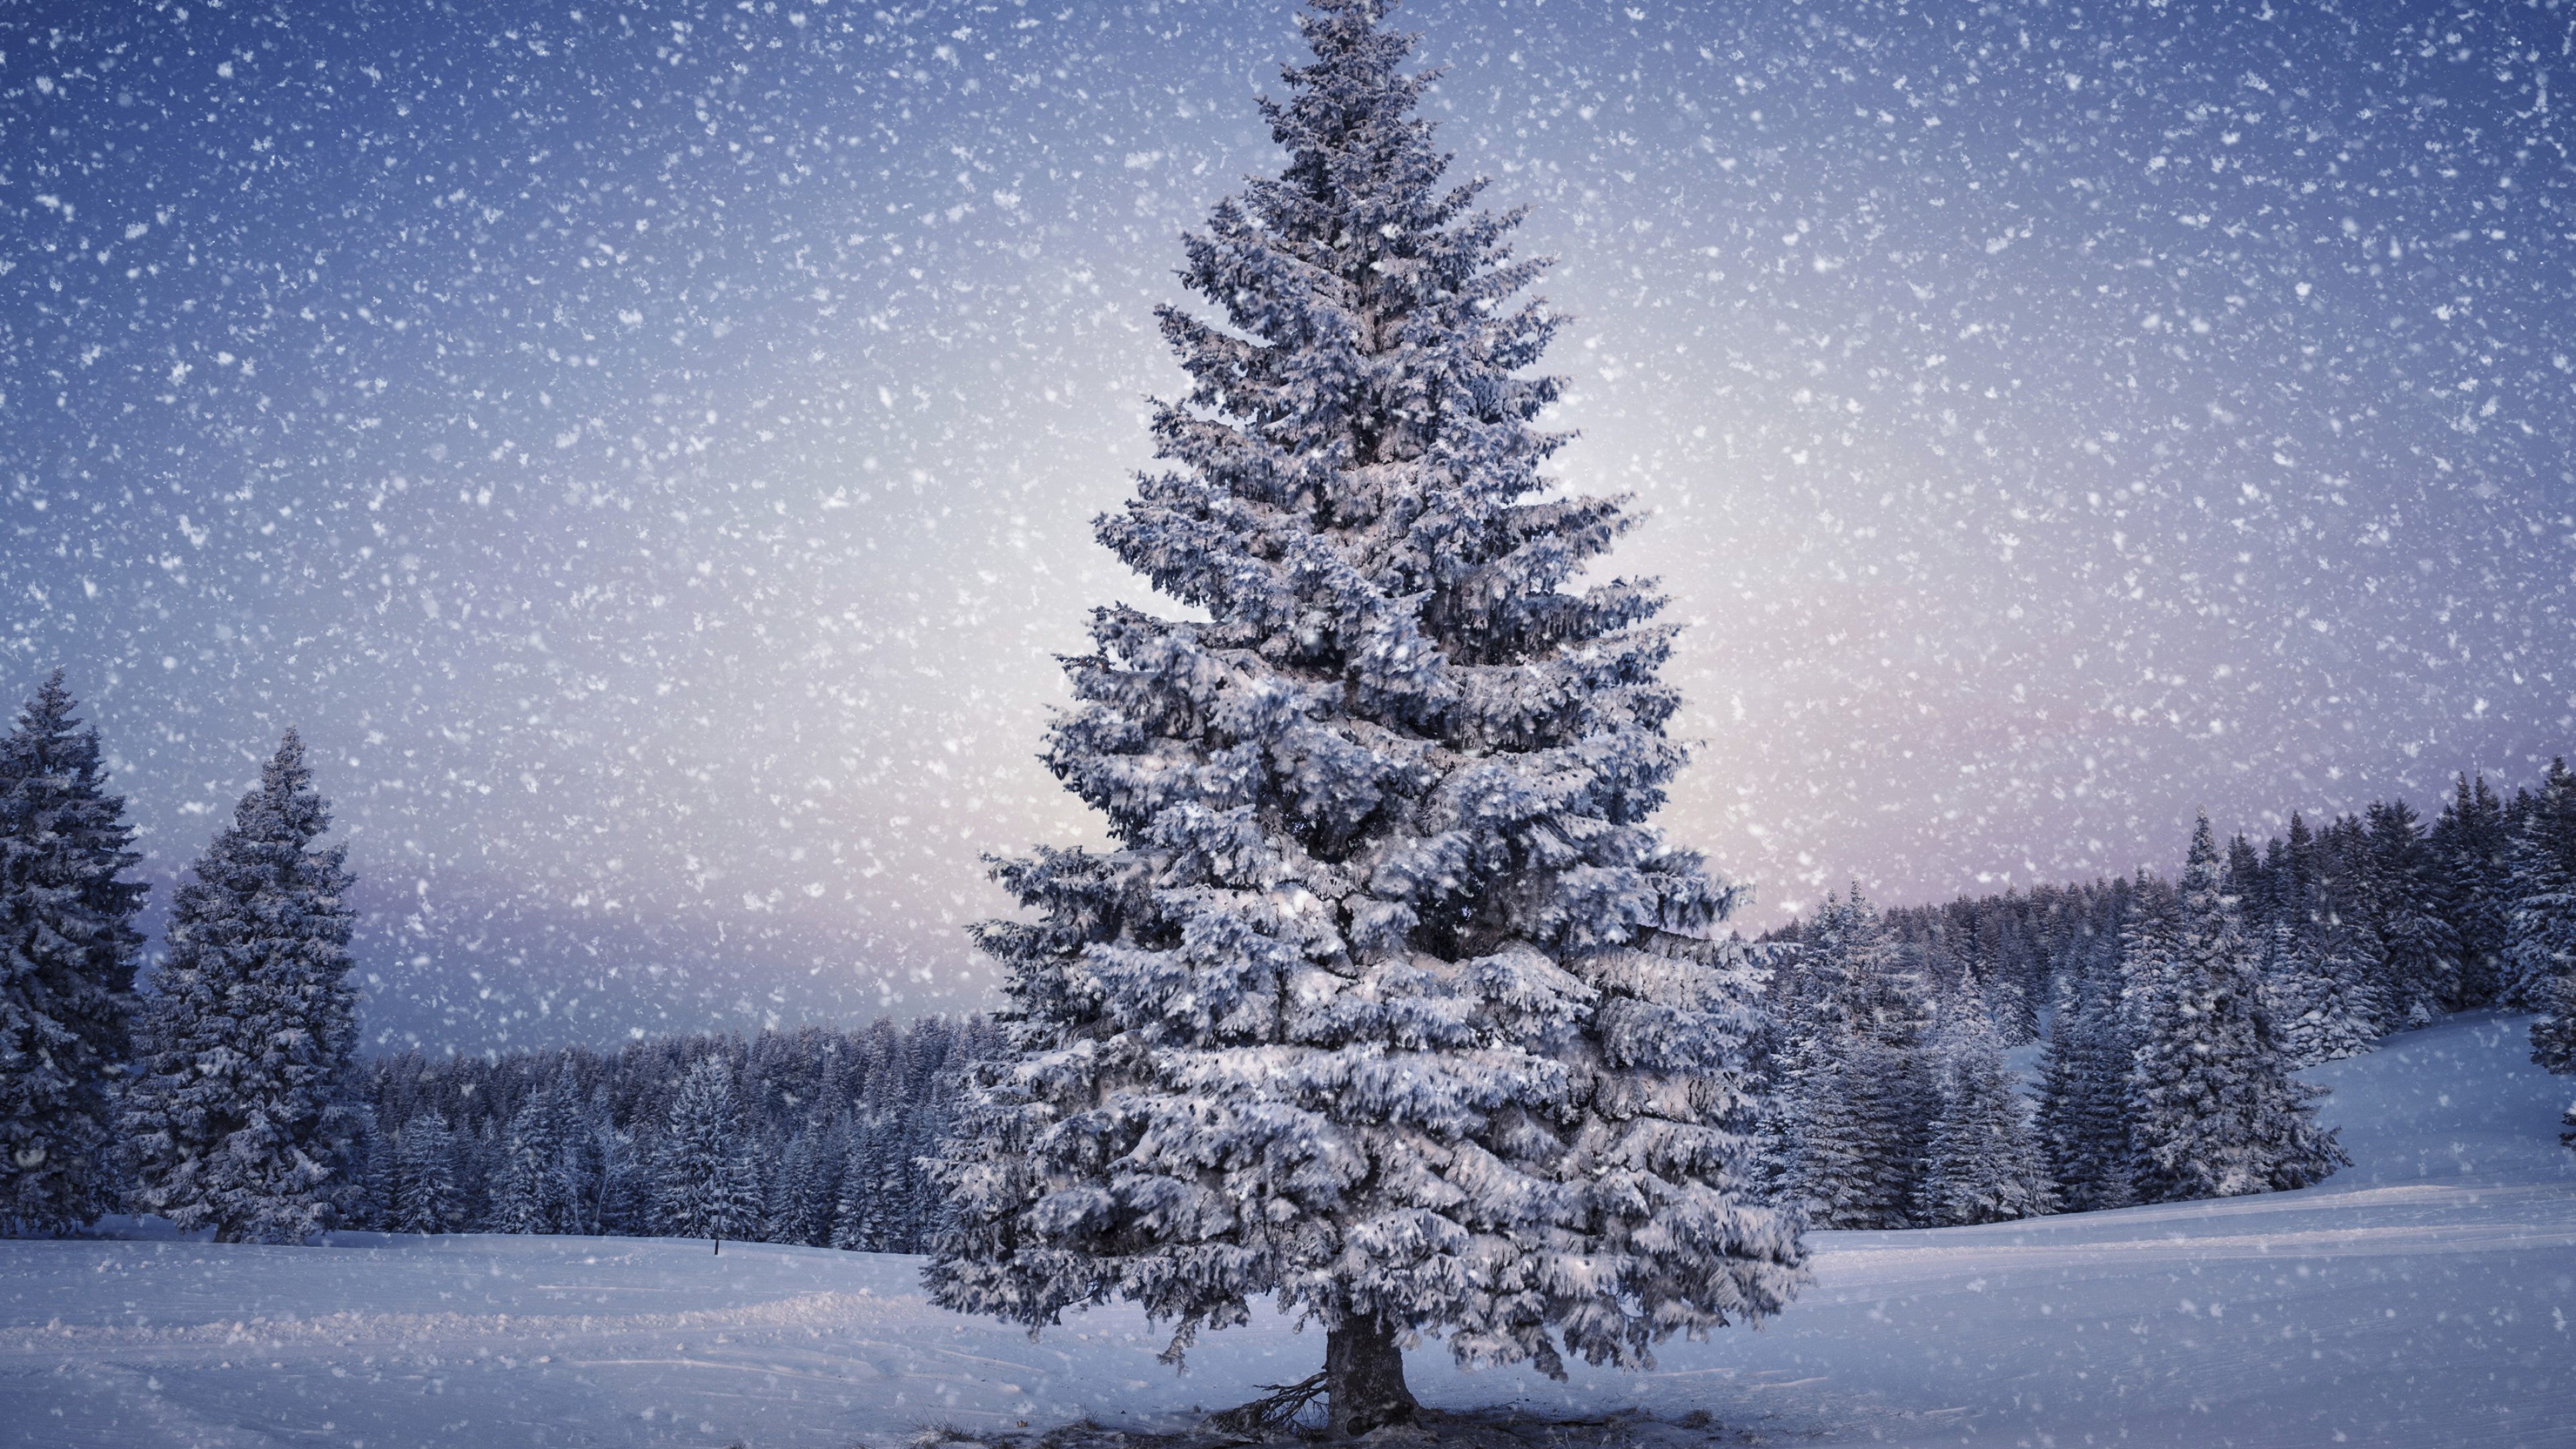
<point x="2422" y="1297"/>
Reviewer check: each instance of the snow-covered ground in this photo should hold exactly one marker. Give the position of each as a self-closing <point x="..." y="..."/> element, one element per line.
<point x="2422" y="1297"/>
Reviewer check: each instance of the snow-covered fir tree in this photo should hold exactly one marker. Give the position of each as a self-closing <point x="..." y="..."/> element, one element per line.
<point x="538" y="1188"/>
<point x="1855" y="1098"/>
<point x="2083" y="1124"/>
<point x="1373" y="1008"/>
<point x="2419" y="950"/>
<point x="67" y="954"/>
<point x="366" y="1199"/>
<point x="808" y="1179"/>
<point x="2217" y="1114"/>
<point x="621" y="1198"/>
<point x="2472" y="851"/>
<point x="2319" y="957"/>
<point x="2347" y="1009"/>
<point x="243" y="1109"/>
<point x="2540" y="917"/>
<point x="2553" y="1042"/>
<point x="862" y="1188"/>
<point x="707" y="1184"/>
<point x="1983" y="1164"/>
<point x="425" y="1196"/>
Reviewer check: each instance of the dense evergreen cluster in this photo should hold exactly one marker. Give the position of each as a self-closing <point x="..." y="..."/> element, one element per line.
<point x="805" y="1136"/>
<point x="2172" y="1012"/>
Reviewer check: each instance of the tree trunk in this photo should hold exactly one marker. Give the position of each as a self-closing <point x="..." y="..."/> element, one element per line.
<point x="1364" y="1376"/>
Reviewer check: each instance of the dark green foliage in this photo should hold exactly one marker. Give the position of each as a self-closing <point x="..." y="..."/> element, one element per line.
<point x="67" y="954"/>
<point x="242" y="1117"/>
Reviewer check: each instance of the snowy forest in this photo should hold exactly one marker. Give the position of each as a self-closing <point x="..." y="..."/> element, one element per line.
<point x="1885" y="1098"/>
<point x="1893" y="1107"/>
<point x="805" y="1136"/>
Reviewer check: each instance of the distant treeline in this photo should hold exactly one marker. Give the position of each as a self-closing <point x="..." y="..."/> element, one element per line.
<point x="801" y="1136"/>
<point x="2166" y="1006"/>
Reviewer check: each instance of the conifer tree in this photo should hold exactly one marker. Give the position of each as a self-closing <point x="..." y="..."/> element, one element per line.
<point x="861" y="1186"/>
<point x="801" y="1198"/>
<point x="2553" y="1042"/>
<point x="623" y="1201"/>
<point x="2540" y="932"/>
<point x="425" y="1196"/>
<point x="1388" y="1003"/>
<point x="2419" y="951"/>
<point x="2316" y="970"/>
<point x="2471" y="848"/>
<point x="708" y="1184"/>
<point x="244" y="1109"/>
<point x="2217" y="1115"/>
<point x="1983" y="1163"/>
<point x="2083" y="1124"/>
<point x="67" y="955"/>
<point x="1858" y="1094"/>
<point x="536" y="1189"/>
<point x="367" y="1183"/>
<point x="2553" y="1037"/>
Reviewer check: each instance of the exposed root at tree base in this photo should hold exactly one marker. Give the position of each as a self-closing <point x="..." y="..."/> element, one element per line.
<point x="1275" y="1414"/>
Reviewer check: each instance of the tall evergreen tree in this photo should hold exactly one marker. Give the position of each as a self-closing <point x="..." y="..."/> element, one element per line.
<point x="2319" y="959"/>
<point x="1368" y="1010"/>
<point x="2218" y="1116"/>
<point x="244" y="1109"/>
<point x="67" y="954"/>
<point x="708" y="1183"/>
<point x="800" y="1209"/>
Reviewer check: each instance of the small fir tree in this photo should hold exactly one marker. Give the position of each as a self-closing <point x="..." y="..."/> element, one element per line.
<point x="2419" y="951"/>
<point x="2472" y="850"/>
<point x="2217" y="1115"/>
<point x="1858" y="1090"/>
<point x="425" y="1197"/>
<point x="2553" y="1042"/>
<point x="2540" y="930"/>
<point x="2083" y="1121"/>
<point x="536" y="1189"/>
<point x="801" y="1207"/>
<point x="862" y="1184"/>
<point x="709" y="1185"/>
<point x="1984" y="1163"/>
<point x="244" y="1109"/>
<point x="1368" y="1012"/>
<point x="67" y="954"/>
